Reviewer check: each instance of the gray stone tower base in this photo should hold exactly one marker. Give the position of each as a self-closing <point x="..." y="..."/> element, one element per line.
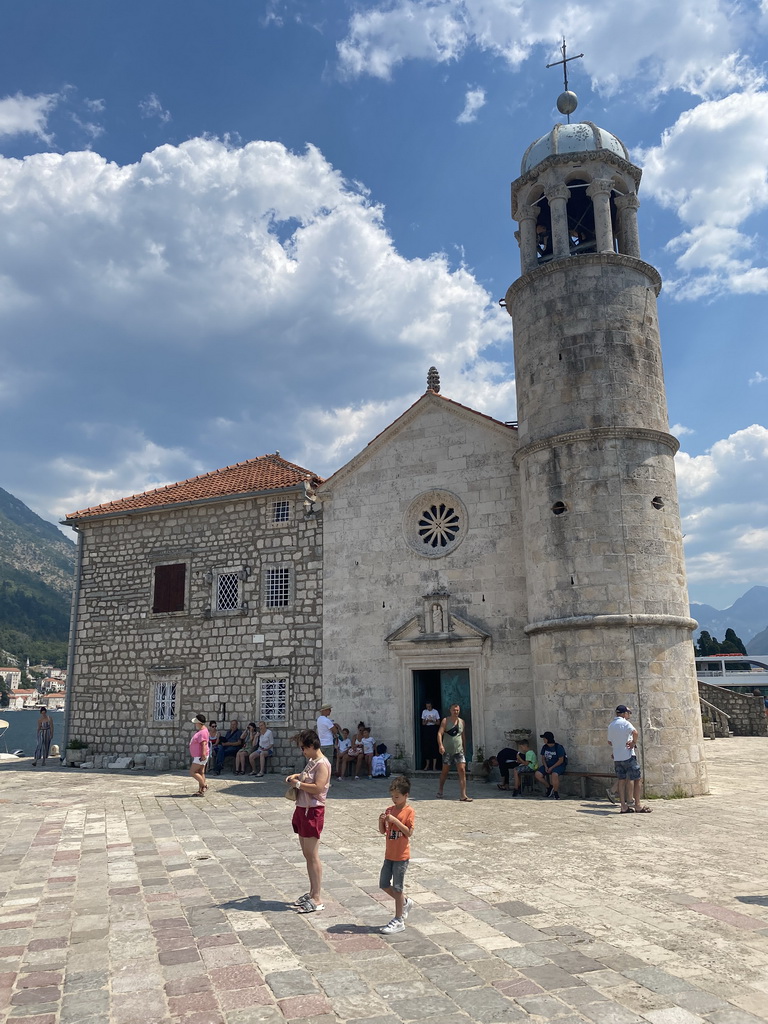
<point x="607" y="598"/>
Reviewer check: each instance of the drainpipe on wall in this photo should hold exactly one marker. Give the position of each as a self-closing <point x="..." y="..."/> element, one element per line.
<point x="72" y="638"/>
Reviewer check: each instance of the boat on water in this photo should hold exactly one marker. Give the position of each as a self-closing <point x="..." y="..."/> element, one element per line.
<point x="739" y="672"/>
<point x="6" y="755"/>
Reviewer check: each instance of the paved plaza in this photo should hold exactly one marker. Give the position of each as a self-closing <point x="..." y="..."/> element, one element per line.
<point x="124" y="899"/>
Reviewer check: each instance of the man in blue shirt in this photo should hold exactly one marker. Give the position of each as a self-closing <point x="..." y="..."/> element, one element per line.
<point x="553" y="762"/>
<point x="229" y="744"/>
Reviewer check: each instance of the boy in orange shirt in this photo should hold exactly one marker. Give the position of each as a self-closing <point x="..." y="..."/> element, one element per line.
<point x="396" y="823"/>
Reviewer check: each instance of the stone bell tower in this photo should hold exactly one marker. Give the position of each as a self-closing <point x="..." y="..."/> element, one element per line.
<point x="608" y="614"/>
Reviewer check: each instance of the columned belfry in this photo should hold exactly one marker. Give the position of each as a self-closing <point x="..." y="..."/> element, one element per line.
<point x="608" y="613"/>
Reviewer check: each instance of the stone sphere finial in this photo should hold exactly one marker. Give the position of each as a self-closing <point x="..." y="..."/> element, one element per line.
<point x="433" y="380"/>
<point x="567" y="102"/>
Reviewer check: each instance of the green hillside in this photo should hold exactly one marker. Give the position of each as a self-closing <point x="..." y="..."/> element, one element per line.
<point x="36" y="575"/>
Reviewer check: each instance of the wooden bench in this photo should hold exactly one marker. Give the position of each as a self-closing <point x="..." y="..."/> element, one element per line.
<point x="583" y="776"/>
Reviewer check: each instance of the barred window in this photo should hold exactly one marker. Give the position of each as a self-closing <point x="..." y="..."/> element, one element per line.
<point x="281" y="511"/>
<point x="227" y="591"/>
<point x="165" y="701"/>
<point x="278" y="587"/>
<point x="273" y="700"/>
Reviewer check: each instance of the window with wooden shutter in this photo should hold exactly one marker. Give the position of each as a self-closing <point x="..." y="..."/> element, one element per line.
<point x="170" y="588"/>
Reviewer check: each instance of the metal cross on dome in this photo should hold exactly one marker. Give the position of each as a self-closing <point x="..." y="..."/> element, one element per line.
<point x="564" y="62"/>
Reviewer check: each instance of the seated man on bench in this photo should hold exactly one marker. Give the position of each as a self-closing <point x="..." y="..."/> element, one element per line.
<point x="553" y="765"/>
<point x="228" y="745"/>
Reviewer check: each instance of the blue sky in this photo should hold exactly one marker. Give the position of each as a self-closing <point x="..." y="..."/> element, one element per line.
<point x="236" y="227"/>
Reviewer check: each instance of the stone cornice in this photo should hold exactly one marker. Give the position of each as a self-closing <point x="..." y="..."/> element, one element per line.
<point x="609" y="622"/>
<point x="586" y="158"/>
<point x="572" y="263"/>
<point x="598" y="434"/>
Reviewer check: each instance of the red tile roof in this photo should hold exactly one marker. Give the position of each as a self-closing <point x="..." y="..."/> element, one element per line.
<point x="265" y="473"/>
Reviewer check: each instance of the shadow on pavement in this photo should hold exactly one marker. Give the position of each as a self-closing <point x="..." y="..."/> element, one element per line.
<point x="256" y="904"/>
<point x="758" y="901"/>
<point x="353" y="929"/>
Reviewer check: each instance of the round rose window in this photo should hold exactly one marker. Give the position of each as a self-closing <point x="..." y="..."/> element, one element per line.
<point x="435" y="523"/>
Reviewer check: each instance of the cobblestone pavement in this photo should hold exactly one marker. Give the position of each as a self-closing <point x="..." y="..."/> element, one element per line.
<point x="125" y="900"/>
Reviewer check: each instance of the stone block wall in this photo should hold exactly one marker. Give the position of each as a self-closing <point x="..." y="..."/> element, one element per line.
<point x="376" y="578"/>
<point x="746" y="713"/>
<point x="218" y="661"/>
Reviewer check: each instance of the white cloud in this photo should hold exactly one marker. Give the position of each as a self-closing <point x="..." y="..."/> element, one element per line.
<point x="473" y="101"/>
<point x="758" y="378"/>
<point x="691" y="44"/>
<point x="679" y="430"/>
<point x="27" y="115"/>
<point x="724" y="508"/>
<point x="710" y="169"/>
<point x="152" y="107"/>
<point x="222" y="301"/>
<point x="136" y="465"/>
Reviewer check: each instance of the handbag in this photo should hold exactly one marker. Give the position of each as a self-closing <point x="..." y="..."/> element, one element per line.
<point x="291" y="793"/>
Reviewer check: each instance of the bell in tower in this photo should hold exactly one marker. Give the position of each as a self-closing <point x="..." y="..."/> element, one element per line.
<point x="608" y="612"/>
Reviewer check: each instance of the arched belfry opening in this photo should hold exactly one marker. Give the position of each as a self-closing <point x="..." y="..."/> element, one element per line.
<point x="581" y="218"/>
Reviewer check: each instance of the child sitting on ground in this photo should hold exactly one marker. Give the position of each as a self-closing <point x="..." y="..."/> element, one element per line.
<point x="380" y="762"/>
<point x="396" y="823"/>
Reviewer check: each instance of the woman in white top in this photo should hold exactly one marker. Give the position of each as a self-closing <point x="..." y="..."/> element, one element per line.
<point x="262" y="750"/>
<point x="430" y="720"/>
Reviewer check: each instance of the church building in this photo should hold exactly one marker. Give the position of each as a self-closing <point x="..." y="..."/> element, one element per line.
<point x="531" y="572"/>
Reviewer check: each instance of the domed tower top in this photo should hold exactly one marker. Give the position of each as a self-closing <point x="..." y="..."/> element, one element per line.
<point x="571" y="138"/>
<point x="577" y="192"/>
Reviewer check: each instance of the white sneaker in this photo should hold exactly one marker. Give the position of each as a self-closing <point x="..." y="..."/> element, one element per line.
<point x="395" y="925"/>
<point x="407" y="907"/>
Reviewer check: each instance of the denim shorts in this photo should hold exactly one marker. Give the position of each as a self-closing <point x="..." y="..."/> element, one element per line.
<point x="628" y="769"/>
<point x="393" y="874"/>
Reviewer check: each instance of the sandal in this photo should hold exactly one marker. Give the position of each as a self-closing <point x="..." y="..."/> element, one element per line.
<point x="465" y="800"/>
<point x="499" y="786"/>
<point x="439" y="796"/>
<point x="643" y="810"/>
<point x="310" y="907"/>
<point x="628" y="810"/>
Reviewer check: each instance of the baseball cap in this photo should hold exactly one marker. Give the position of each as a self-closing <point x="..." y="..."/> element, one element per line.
<point x="549" y="736"/>
<point x="622" y="709"/>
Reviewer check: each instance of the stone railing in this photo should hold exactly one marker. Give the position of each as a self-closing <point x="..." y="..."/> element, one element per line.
<point x="714" y="722"/>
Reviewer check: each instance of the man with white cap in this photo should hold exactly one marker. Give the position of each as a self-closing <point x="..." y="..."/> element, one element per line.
<point x="326" y="731"/>
<point x="622" y="736"/>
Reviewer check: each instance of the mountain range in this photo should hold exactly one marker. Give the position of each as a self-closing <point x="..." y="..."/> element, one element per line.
<point x="36" y="574"/>
<point x="747" y="617"/>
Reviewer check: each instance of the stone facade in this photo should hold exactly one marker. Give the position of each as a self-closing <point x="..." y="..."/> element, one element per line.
<point x="134" y="668"/>
<point x="533" y="575"/>
<point x="746" y="713"/>
<point x="394" y="605"/>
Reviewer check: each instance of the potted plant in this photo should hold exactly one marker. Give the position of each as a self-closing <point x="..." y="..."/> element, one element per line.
<point x="75" y="752"/>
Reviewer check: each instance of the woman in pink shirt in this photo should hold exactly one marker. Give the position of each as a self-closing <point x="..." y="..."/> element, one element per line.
<point x="199" y="749"/>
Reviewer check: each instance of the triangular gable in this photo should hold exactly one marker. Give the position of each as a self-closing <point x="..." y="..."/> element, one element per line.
<point x="459" y="631"/>
<point x="425" y="402"/>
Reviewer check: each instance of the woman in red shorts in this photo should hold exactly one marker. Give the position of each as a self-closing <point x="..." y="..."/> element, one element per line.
<point x="312" y="785"/>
